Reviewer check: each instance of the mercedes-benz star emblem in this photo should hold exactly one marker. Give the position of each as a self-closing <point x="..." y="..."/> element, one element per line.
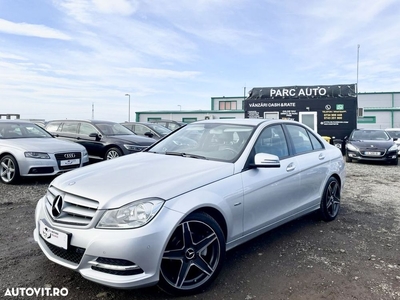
<point x="57" y="206"/>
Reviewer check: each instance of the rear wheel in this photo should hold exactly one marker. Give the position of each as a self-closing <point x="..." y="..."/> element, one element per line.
<point x="330" y="201"/>
<point x="9" y="172"/>
<point x="193" y="257"/>
<point x="112" y="153"/>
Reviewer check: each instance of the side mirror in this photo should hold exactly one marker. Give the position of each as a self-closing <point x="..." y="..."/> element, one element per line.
<point x="149" y="134"/>
<point x="95" y="135"/>
<point x="265" y="160"/>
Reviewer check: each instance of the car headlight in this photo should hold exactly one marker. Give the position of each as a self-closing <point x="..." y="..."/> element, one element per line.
<point x="40" y="155"/>
<point x="134" y="147"/>
<point x="85" y="153"/>
<point x="132" y="215"/>
<point x="351" y="147"/>
<point x="393" y="148"/>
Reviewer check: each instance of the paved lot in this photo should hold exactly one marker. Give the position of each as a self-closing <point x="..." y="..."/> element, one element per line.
<point x="355" y="257"/>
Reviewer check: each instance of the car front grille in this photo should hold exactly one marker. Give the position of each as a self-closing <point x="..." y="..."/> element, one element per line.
<point x="66" y="156"/>
<point x="69" y="209"/>
<point x="73" y="254"/>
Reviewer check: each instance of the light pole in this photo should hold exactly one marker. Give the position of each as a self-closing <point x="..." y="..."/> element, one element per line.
<point x="180" y="107"/>
<point x="129" y="107"/>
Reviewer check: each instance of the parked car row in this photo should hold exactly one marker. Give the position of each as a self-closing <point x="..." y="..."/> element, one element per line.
<point x="102" y="139"/>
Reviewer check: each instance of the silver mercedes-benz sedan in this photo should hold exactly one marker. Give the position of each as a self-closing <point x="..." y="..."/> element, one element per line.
<point x="27" y="150"/>
<point x="167" y="215"/>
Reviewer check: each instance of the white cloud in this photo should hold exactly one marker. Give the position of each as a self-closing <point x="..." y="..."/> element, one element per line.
<point x="32" y="30"/>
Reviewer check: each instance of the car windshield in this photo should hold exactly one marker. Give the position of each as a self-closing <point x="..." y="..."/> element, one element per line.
<point x="160" y="129"/>
<point x="394" y="133"/>
<point x="113" y="129"/>
<point x="22" y="130"/>
<point x="213" y="141"/>
<point x="372" y="135"/>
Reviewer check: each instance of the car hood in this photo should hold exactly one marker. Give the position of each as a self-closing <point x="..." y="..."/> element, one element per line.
<point x="48" y="145"/>
<point x="132" y="139"/>
<point x="119" y="181"/>
<point x="372" y="143"/>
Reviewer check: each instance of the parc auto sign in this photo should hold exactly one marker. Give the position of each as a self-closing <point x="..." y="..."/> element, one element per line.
<point x="304" y="92"/>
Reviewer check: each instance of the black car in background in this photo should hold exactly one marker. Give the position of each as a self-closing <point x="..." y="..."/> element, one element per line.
<point x="371" y="145"/>
<point x="102" y="139"/>
<point x="148" y="129"/>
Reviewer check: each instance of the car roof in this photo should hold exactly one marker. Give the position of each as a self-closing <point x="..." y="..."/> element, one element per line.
<point x="15" y="121"/>
<point x="84" y="120"/>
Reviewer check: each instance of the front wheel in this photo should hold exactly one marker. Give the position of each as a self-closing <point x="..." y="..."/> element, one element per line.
<point x="9" y="172"/>
<point x="330" y="201"/>
<point x="193" y="257"/>
<point x="112" y="153"/>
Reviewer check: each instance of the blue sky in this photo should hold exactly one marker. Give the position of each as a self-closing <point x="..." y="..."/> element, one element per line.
<point x="58" y="58"/>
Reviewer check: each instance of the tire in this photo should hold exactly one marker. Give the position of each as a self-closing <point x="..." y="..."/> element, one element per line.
<point x="193" y="256"/>
<point x="330" y="201"/>
<point x="9" y="170"/>
<point x="112" y="153"/>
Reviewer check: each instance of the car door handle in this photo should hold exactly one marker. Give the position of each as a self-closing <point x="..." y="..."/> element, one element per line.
<point x="78" y="138"/>
<point x="290" y="167"/>
<point x="321" y="156"/>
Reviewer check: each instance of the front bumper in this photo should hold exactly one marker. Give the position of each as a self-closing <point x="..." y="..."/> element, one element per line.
<point x="128" y="258"/>
<point x="388" y="157"/>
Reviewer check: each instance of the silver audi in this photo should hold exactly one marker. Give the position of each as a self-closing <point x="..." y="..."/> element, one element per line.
<point x="168" y="215"/>
<point x="27" y="150"/>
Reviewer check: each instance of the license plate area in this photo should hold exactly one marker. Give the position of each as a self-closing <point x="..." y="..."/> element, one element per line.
<point x="54" y="236"/>
<point x="70" y="162"/>
<point x="372" y="153"/>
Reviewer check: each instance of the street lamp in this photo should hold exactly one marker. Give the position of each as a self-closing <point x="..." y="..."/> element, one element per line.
<point x="129" y="107"/>
<point x="180" y="107"/>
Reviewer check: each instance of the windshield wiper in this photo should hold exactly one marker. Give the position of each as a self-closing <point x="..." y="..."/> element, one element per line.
<point x="185" y="155"/>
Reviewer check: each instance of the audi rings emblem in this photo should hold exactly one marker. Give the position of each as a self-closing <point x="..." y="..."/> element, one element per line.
<point x="69" y="155"/>
<point x="56" y="208"/>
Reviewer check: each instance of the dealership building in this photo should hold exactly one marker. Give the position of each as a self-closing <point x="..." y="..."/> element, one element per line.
<point x="375" y="110"/>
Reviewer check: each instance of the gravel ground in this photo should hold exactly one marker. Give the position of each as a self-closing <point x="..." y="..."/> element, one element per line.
<point x="357" y="256"/>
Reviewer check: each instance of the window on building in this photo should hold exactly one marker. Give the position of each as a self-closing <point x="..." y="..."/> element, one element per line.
<point x="227" y="105"/>
<point x="189" y="120"/>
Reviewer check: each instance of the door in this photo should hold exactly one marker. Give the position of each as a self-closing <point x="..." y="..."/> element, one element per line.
<point x="309" y="118"/>
<point x="313" y="162"/>
<point x="94" y="146"/>
<point x="266" y="199"/>
<point x="271" y="115"/>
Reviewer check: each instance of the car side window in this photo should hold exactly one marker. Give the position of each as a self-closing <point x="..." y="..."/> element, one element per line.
<point x="86" y="129"/>
<point x="53" y="127"/>
<point x="69" y="128"/>
<point x="300" y="139"/>
<point x="272" y="140"/>
<point x="317" y="145"/>
<point x="140" y="129"/>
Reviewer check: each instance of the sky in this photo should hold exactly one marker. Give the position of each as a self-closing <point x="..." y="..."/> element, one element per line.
<point x="77" y="59"/>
